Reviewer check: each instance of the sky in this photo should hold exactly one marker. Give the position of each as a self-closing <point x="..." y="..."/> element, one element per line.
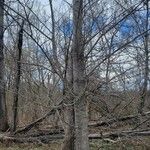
<point x="61" y="5"/>
<point x="58" y="4"/>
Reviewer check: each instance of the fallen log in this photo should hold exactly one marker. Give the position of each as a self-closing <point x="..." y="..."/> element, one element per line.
<point x="47" y="138"/>
<point x="36" y="140"/>
<point x="115" y="120"/>
<point x="44" y="133"/>
<point x="94" y="124"/>
<point x="31" y="125"/>
<point x="120" y="134"/>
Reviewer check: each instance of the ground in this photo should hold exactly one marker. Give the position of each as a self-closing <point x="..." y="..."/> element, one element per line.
<point x="124" y="144"/>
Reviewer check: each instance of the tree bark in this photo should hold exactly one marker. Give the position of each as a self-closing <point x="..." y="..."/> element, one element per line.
<point x="69" y="106"/>
<point x="146" y="69"/>
<point x="81" y="118"/>
<point x="3" y="111"/>
<point x="17" y="79"/>
<point x="69" y="129"/>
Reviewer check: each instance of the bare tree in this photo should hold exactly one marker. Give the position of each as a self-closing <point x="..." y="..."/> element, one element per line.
<point x="79" y="82"/>
<point x="146" y="61"/>
<point x="17" y="78"/>
<point x="63" y="72"/>
<point x="3" y="111"/>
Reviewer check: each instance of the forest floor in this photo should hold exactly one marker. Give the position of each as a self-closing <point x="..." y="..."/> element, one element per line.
<point x="51" y="146"/>
<point x="124" y="144"/>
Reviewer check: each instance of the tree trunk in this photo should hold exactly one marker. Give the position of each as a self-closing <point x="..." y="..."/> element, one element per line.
<point x="69" y="129"/>
<point x="146" y="70"/>
<point x="17" y="79"/>
<point x="81" y="118"/>
<point x="3" y="111"/>
<point x="69" y="107"/>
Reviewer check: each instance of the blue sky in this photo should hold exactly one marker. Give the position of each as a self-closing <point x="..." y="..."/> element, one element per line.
<point x="126" y="27"/>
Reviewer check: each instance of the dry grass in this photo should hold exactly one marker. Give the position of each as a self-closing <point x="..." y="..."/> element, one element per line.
<point x="125" y="144"/>
<point x="51" y="146"/>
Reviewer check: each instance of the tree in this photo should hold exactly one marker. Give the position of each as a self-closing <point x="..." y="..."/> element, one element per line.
<point x="146" y="60"/>
<point x="3" y="111"/>
<point x="17" y="78"/>
<point x="79" y="81"/>
<point x="76" y="131"/>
